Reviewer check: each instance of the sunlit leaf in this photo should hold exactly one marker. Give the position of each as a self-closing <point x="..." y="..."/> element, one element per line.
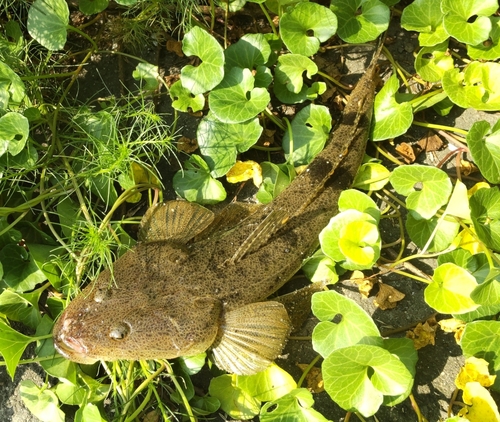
<point x="42" y="402"/>
<point x="48" y="22"/>
<point x="210" y="72"/>
<point x="294" y="407"/>
<point x="306" y="26"/>
<point x="484" y="144"/>
<point x="390" y="118"/>
<point x="309" y="131"/>
<point x="361" y="20"/>
<point x="450" y="289"/>
<point x="425" y="16"/>
<point x="342" y="323"/>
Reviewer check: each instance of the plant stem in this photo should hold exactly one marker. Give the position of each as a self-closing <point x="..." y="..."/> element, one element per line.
<point x="440" y="127"/>
<point x="335" y="81"/>
<point x="307" y="370"/>
<point x="268" y="17"/>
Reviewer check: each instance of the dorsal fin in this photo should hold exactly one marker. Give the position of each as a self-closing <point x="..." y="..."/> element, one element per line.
<point x="176" y="221"/>
<point x="251" y="337"/>
<point x="265" y="229"/>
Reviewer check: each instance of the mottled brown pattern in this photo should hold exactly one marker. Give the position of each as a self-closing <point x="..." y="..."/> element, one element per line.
<point x="172" y="296"/>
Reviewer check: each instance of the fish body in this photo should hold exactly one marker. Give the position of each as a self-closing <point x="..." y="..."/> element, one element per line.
<point x="196" y="282"/>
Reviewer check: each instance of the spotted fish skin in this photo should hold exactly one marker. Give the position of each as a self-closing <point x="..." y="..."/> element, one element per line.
<point x="195" y="283"/>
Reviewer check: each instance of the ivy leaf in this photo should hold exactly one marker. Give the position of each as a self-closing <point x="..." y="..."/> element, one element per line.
<point x="426" y="17"/>
<point x="12" y="346"/>
<point x="477" y="87"/>
<point x="21" y="307"/>
<point x="355" y="27"/>
<point x="321" y="268"/>
<point x="289" y="71"/>
<point x="295" y="406"/>
<point x="390" y="118"/>
<point x="14" y="131"/>
<point x="43" y="403"/>
<point x="482" y="340"/>
<point x="360" y="243"/>
<point x="485" y="215"/>
<point x="450" y="290"/>
<point x="490" y="49"/>
<point x="210" y="72"/>
<point x="47" y="23"/>
<point x="480" y="404"/>
<point x="305" y="17"/>
<point x="221" y="142"/>
<point x="358" y="377"/>
<point x="235" y="100"/>
<point x="183" y="99"/>
<point x="351" y="324"/>
<point x="309" y="131"/>
<point x="433" y="194"/>
<point x="457" y="15"/>
<point x="251" y="51"/>
<point x="196" y="184"/>
<point x="432" y="62"/>
<point x="484" y="144"/>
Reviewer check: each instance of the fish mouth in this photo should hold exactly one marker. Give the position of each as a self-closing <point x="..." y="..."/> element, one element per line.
<point x="68" y="346"/>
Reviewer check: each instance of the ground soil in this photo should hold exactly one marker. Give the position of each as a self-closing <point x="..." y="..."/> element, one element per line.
<point x="438" y="364"/>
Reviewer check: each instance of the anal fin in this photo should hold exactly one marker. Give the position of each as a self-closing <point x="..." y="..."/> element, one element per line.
<point x="251" y="337"/>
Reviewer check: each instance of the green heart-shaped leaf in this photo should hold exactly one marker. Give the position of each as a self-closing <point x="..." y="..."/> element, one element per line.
<point x="183" y="99"/>
<point x="14" y="131"/>
<point x="458" y="13"/>
<point x="48" y="22"/>
<point x="489" y="49"/>
<point x="485" y="215"/>
<point x="484" y="144"/>
<point x="309" y="131"/>
<point x="450" y="290"/>
<point x="433" y="194"/>
<point x="210" y="72"/>
<point x="235" y="99"/>
<point x="358" y="377"/>
<point x="251" y="51"/>
<point x="477" y="87"/>
<point x="426" y="17"/>
<point x="390" y="118"/>
<point x="359" y="26"/>
<point x="221" y="142"/>
<point x="432" y="62"/>
<point x="296" y="27"/>
<point x="351" y="324"/>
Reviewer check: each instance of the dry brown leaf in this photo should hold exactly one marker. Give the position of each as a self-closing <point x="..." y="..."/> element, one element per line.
<point x="423" y="334"/>
<point x="187" y="145"/>
<point x="430" y="143"/>
<point x="314" y="378"/>
<point x="365" y="285"/>
<point x="175" y="47"/>
<point x="406" y="151"/>
<point x="453" y="325"/>
<point x="387" y="297"/>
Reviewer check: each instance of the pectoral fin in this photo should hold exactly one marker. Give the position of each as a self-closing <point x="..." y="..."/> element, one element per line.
<point x="177" y="221"/>
<point x="251" y="337"/>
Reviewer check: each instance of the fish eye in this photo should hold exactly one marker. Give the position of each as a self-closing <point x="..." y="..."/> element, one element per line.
<point x="120" y="331"/>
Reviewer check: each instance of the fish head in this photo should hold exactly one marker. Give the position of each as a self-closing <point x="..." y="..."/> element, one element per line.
<point x="113" y="323"/>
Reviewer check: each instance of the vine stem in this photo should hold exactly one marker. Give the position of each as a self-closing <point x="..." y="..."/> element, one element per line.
<point x="440" y="127"/>
<point x="268" y="17"/>
<point x="185" y="401"/>
<point x="307" y="370"/>
<point x="335" y="81"/>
